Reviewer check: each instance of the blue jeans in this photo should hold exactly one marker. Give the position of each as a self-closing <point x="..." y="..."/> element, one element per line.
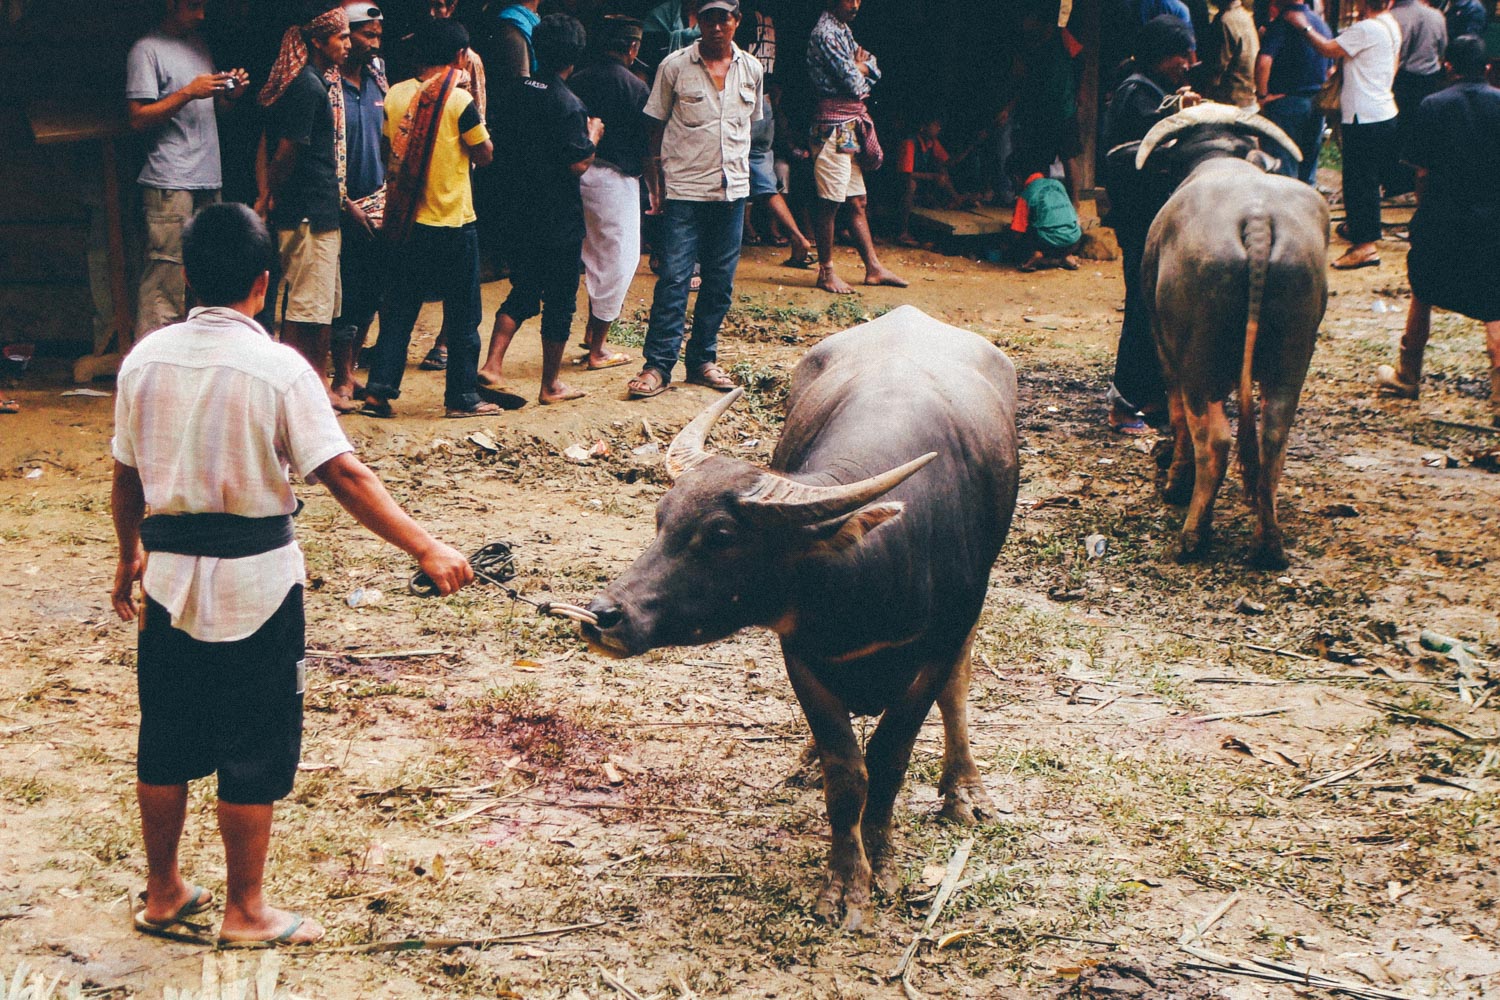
<point x="707" y="233"/>
<point x="1300" y="119"/>
<point x="434" y="261"/>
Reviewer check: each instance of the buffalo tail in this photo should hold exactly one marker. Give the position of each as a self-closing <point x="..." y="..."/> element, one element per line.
<point x="1256" y="236"/>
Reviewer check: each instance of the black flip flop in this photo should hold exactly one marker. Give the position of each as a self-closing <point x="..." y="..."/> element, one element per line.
<point x="501" y="397"/>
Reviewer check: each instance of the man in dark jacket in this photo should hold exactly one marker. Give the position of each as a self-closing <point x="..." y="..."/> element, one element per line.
<point x="1162" y="58"/>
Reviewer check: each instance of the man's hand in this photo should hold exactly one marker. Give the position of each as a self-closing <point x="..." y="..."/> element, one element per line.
<point x="862" y="60"/>
<point x="1296" y="19"/>
<point x="263" y="206"/>
<point x="1190" y="99"/>
<point x="359" y="218"/>
<point x="596" y="130"/>
<point x="446" y="567"/>
<point x="207" y="85"/>
<point x="241" y="84"/>
<point x="127" y="572"/>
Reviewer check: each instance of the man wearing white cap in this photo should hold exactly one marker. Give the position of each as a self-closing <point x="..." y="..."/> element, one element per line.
<point x="361" y="266"/>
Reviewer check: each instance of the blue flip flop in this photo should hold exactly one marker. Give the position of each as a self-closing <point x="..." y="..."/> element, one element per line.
<point x="280" y="940"/>
<point x="200" y="900"/>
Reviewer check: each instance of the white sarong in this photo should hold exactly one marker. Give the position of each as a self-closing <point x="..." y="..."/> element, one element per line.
<point x="612" y="238"/>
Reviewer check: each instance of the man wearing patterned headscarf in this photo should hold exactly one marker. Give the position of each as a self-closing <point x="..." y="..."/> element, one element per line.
<point x="306" y="178"/>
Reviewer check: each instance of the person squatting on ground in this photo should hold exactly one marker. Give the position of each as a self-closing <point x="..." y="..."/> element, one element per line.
<point x="844" y="143"/>
<point x="361" y="257"/>
<point x="1368" y="50"/>
<point x="702" y="105"/>
<point x="547" y="142"/>
<point x="610" y="188"/>
<point x="172" y="94"/>
<point x="1043" y="217"/>
<point x="922" y="163"/>
<point x="1455" y="234"/>
<point x="1163" y="53"/>
<point x="209" y="415"/>
<point x="434" y="134"/>
<point x="305" y="178"/>
<point x="1289" y="72"/>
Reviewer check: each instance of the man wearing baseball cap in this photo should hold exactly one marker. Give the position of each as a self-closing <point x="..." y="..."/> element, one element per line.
<point x="705" y="98"/>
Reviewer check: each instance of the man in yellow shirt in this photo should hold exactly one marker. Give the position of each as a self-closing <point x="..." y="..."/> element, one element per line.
<point x="435" y="133"/>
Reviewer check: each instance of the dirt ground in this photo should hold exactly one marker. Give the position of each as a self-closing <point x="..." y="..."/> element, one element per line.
<point x="1149" y="730"/>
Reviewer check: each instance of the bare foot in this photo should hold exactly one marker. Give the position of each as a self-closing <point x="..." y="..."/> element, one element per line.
<point x="1069" y="262"/>
<point x="880" y="276"/>
<point x="183" y="900"/>
<point x="559" y="392"/>
<point x="1032" y="263"/>
<point x="269" y="925"/>
<point x="342" y="404"/>
<point x="830" y="282"/>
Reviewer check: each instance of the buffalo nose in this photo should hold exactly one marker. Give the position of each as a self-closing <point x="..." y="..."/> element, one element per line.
<point x="607" y="615"/>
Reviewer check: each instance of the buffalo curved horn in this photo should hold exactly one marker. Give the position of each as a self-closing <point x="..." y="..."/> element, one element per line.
<point x="778" y="500"/>
<point x="1213" y="114"/>
<point x="687" y="451"/>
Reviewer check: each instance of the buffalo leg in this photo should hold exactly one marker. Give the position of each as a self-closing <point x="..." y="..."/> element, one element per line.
<point x="1210" y="429"/>
<point x="887" y="756"/>
<point x="964" y="798"/>
<point x="1279" y="410"/>
<point x="1180" y="475"/>
<point x="845" y="788"/>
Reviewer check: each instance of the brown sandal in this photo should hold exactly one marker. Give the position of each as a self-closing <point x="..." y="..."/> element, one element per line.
<point x="713" y="377"/>
<point x="648" y="383"/>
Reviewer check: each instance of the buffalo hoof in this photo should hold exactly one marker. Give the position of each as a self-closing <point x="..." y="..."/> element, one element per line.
<point x="1271" y="556"/>
<point x="848" y="894"/>
<point x="968" y="804"/>
<point x="1178" y="492"/>
<point x="1191" y="546"/>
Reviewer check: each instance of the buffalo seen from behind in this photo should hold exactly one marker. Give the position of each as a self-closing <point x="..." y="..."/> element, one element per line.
<point x="867" y="546"/>
<point x="1235" y="278"/>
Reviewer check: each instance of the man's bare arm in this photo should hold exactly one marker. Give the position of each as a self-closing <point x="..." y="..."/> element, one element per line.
<point x="127" y="504"/>
<point x="147" y="115"/>
<point x="361" y="493"/>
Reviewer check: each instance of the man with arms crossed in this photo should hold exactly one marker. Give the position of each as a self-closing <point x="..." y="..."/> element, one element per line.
<point x="209" y="416"/>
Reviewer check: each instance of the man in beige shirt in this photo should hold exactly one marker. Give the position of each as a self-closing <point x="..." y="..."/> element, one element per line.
<point x="704" y="100"/>
<point x="1232" y="65"/>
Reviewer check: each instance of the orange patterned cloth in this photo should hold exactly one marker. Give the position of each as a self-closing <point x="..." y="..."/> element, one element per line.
<point x="293" y="54"/>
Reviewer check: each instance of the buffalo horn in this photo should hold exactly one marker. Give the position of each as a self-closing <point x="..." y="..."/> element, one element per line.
<point x="1213" y="114"/>
<point x="776" y="499"/>
<point x="687" y="449"/>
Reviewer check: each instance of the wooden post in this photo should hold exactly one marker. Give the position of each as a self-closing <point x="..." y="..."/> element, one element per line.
<point x="1086" y="15"/>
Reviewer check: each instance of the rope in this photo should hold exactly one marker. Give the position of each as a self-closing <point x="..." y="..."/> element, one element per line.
<point x="495" y="563"/>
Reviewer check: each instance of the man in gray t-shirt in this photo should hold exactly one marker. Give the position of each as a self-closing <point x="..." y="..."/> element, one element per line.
<point x="170" y="90"/>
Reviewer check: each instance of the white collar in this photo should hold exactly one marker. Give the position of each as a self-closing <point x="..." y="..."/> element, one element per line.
<point x="226" y="314"/>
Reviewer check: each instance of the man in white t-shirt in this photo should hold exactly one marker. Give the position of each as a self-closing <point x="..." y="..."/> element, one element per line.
<point x="171" y="90"/>
<point x="1369" y="50"/>
<point x="210" y="416"/>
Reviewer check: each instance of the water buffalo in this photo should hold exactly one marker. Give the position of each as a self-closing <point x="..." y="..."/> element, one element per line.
<point x="866" y="546"/>
<point x="1235" y="278"/>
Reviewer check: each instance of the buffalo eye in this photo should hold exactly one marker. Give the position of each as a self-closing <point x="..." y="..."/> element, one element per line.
<point x="721" y="536"/>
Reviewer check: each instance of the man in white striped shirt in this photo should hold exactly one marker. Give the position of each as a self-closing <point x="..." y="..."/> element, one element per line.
<point x="210" y="417"/>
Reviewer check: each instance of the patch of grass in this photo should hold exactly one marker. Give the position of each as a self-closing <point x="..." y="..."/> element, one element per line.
<point x="765" y="390"/>
<point x="23" y="791"/>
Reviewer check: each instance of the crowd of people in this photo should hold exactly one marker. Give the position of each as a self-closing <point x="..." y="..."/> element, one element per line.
<point x="1415" y="118"/>
<point x="391" y="179"/>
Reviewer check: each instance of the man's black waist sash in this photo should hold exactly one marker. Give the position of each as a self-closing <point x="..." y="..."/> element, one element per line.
<point x="217" y="536"/>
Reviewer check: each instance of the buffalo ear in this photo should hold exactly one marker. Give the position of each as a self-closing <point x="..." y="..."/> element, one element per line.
<point x="836" y="536"/>
<point x="1266" y="161"/>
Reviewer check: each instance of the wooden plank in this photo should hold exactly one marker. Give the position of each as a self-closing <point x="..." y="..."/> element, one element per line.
<point x="984" y="220"/>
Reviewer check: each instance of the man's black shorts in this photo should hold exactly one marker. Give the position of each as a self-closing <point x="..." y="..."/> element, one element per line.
<point x="231" y="707"/>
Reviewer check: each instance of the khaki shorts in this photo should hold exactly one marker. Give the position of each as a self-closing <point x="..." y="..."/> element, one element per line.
<point x="839" y="177"/>
<point x="311" y="288"/>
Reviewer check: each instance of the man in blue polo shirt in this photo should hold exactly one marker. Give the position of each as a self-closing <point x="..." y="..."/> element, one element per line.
<point x="360" y="261"/>
<point x="1288" y="74"/>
